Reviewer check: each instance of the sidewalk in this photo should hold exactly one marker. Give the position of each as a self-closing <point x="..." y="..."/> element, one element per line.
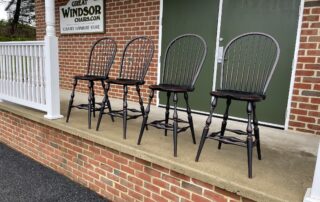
<point x="24" y="180"/>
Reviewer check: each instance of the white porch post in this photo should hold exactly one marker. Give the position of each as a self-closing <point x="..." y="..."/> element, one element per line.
<point x="51" y="63"/>
<point x="313" y="193"/>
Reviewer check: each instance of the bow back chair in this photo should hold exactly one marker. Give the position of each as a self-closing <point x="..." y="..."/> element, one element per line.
<point x="183" y="61"/>
<point x="249" y="61"/>
<point x="135" y="62"/>
<point x="101" y="58"/>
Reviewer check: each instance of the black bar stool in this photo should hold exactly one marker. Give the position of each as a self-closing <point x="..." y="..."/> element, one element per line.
<point x="100" y="61"/>
<point x="182" y="64"/>
<point x="249" y="61"/>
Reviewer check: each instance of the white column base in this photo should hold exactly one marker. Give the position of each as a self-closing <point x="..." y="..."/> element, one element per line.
<point x="52" y="117"/>
<point x="309" y="198"/>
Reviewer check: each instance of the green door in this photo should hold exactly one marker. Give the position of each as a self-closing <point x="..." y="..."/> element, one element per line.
<point x="189" y="16"/>
<point x="278" y="18"/>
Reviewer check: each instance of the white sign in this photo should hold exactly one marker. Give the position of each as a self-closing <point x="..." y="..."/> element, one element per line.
<point x="82" y="16"/>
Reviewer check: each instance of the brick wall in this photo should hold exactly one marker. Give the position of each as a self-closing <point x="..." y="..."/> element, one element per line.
<point x="128" y="18"/>
<point x="114" y="175"/>
<point x="305" y="106"/>
<point x="124" y="20"/>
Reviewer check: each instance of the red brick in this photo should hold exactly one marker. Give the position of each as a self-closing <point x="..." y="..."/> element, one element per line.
<point x="198" y="198"/>
<point x="143" y="176"/>
<point x="152" y="172"/>
<point x="315" y="100"/>
<point x="142" y="191"/>
<point x="306" y="11"/>
<point x="315" y="127"/>
<point x="179" y="176"/>
<point x="136" y="166"/>
<point x="135" y="180"/>
<point x="191" y="187"/>
<point x="314" y="39"/>
<point x="300" y="98"/>
<point x="224" y="193"/>
<point x="114" y="192"/>
<point x="113" y="164"/>
<point x="315" y="25"/>
<point x="151" y="187"/>
<point x="308" y="106"/>
<point x="312" y="66"/>
<point x="169" y="196"/>
<point x="309" y="32"/>
<point x="127" y="184"/>
<point x="315" y="11"/>
<point x="302" y="86"/>
<point x="202" y="184"/>
<point x="120" y="160"/>
<point x="311" y="18"/>
<point x="135" y="195"/>
<point x="307" y="59"/>
<point x="299" y="111"/>
<point x="304" y="73"/>
<point x="297" y="124"/>
<point x="127" y="156"/>
<point x="313" y="52"/>
<point x="218" y="197"/>
<point x="180" y="192"/>
<point x="160" y="168"/>
<point x="171" y="179"/>
<point x="308" y="45"/>
<point x="158" y="198"/>
<point x="314" y="113"/>
<point x="143" y="162"/>
<point x="161" y="183"/>
<point x="311" y="80"/>
<point x="127" y="169"/>
<point x="148" y="200"/>
<point x="125" y="197"/>
<point x="304" y="130"/>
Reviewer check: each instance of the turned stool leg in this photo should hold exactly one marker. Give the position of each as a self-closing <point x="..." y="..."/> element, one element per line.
<point x="167" y="112"/>
<point x="249" y="140"/>
<point x="71" y="98"/>
<point x="89" y="104"/>
<point x="256" y="130"/>
<point x="145" y="117"/>
<point x="207" y="126"/>
<point x="224" y="122"/>
<point x="125" y="110"/>
<point x="190" y="118"/>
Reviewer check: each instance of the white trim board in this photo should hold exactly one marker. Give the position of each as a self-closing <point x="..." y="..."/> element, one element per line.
<point x="294" y="65"/>
<point x="159" y="49"/>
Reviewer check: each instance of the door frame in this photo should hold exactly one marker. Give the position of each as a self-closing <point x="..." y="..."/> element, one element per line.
<point x="293" y="67"/>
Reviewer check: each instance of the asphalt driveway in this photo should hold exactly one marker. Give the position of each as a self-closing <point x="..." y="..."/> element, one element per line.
<point x="23" y="180"/>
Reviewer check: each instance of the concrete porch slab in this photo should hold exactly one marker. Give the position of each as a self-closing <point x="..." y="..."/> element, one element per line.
<point x="283" y="174"/>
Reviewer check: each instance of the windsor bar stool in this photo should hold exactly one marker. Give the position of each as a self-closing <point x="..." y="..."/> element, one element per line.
<point x="249" y="60"/>
<point x="100" y="61"/>
<point x="182" y="64"/>
<point x="136" y="59"/>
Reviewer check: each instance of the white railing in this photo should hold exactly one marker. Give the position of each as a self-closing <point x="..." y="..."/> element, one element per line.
<point x="29" y="71"/>
<point x="22" y="73"/>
